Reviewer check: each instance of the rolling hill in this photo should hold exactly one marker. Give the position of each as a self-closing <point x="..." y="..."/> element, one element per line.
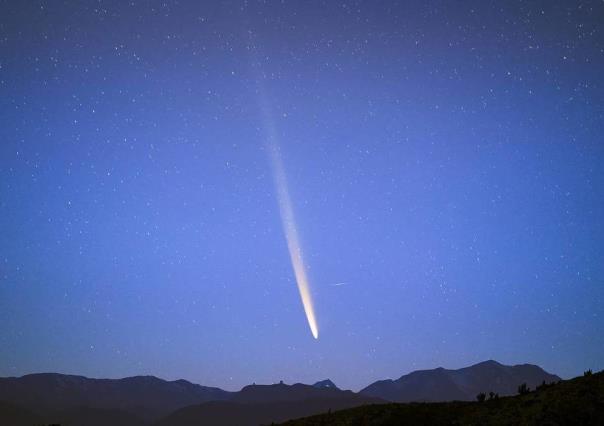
<point x="145" y="397"/>
<point x="146" y="400"/>
<point x="265" y="404"/>
<point x="579" y="401"/>
<point x="458" y="385"/>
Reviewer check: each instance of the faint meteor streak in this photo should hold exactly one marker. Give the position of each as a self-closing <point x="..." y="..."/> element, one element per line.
<point x="287" y="213"/>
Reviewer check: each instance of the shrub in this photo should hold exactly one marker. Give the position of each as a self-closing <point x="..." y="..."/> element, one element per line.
<point x="523" y="389"/>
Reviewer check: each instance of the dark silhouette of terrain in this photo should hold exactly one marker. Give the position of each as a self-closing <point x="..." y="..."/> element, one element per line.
<point x="75" y="400"/>
<point x="297" y="401"/>
<point x="459" y="385"/>
<point x="145" y="397"/>
<point x="325" y="384"/>
<point x="282" y="392"/>
<point x="86" y="416"/>
<point x="14" y="415"/>
<point x="137" y="401"/>
<point x="579" y="401"/>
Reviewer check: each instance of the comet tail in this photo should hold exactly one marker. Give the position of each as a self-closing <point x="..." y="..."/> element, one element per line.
<point x="291" y="235"/>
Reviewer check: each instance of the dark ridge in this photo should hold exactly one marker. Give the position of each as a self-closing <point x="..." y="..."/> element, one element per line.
<point x="441" y="384"/>
<point x="145" y="397"/>
<point x="579" y="401"/>
<point x="325" y="384"/>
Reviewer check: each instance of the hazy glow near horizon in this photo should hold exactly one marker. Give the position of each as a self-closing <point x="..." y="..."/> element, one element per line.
<point x="291" y="235"/>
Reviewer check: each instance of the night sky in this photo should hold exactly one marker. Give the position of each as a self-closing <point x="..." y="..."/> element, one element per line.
<point x="444" y="162"/>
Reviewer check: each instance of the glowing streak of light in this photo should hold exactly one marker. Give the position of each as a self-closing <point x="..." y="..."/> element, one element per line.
<point x="293" y="242"/>
<point x="287" y="215"/>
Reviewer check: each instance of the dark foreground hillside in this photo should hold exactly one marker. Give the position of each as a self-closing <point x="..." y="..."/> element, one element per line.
<point x="579" y="401"/>
<point x="230" y="413"/>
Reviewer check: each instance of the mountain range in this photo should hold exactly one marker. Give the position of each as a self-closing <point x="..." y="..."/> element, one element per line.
<point x="578" y="401"/>
<point x="147" y="400"/>
<point x="459" y="385"/>
<point x="146" y="397"/>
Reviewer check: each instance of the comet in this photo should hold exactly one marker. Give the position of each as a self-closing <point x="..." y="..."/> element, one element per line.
<point x="286" y="211"/>
<point x="291" y="235"/>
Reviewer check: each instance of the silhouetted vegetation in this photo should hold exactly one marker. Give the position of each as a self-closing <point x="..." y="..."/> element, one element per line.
<point x="523" y="389"/>
<point x="588" y="373"/>
<point x="579" y="401"/>
<point x="481" y="397"/>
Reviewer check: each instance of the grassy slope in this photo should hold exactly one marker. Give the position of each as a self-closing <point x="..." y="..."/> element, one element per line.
<point x="576" y="401"/>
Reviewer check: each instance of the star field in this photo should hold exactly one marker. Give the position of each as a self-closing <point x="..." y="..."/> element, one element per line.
<point x="444" y="160"/>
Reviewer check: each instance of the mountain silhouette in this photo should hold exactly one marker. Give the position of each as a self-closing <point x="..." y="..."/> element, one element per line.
<point x="265" y="404"/>
<point x="577" y="401"/>
<point x="146" y="397"/>
<point x="462" y="385"/>
<point x="137" y="401"/>
<point x="146" y="400"/>
<point x="282" y="392"/>
<point x="325" y="384"/>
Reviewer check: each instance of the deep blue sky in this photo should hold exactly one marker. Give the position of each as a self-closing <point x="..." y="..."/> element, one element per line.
<point x="444" y="158"/>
